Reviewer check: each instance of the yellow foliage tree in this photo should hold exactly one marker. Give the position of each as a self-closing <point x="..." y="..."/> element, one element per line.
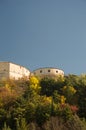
<point x="63" y="100"/>
<point x="34" y="84"/>
<point x="69" y="89"/>
<point x="69" y="92"/>
<point x="46" y="100"/>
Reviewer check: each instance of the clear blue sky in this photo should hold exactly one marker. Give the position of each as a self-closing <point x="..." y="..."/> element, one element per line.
<point x="44" y="33"/>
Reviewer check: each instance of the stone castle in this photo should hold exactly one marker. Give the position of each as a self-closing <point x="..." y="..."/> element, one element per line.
<point x="11" y="70"/>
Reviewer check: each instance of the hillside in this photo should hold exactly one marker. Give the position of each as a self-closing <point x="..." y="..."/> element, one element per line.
<point x="43" y="104"/>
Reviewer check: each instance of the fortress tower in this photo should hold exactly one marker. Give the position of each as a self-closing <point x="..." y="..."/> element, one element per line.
<point x="48" y="72"/>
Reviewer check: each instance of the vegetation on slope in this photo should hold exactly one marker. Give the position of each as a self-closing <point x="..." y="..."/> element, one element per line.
<point x="43" y="104"/>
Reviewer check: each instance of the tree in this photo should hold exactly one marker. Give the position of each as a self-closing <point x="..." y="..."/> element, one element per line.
<point x="43" y="109"/>
<point x="69" y="92"/>
<point x="47" y="86"/>
<point x="6" y="127"/>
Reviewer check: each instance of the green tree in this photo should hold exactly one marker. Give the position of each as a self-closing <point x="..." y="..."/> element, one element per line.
<point x="81" y="94"/>
<point x="30" y="111"/>
<point x="22" y="125"/>
<point x="69" y="92"/>
<point x="43" y="109"/>
<point x="47" y="86"/>
<point x="3" y="114"/>
<point x="6" y="127"/>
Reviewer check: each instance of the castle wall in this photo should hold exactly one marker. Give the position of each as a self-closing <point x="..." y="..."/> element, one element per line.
<point x="10" y="70"/>
<point x="4" y="70"/>
<point x="17" y="71"/>
<point x="52" y="72"/>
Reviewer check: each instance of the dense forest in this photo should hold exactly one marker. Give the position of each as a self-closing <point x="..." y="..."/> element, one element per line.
<point x="43" y="104"/>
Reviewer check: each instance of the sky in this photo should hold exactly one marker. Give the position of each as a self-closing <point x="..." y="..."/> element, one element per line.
<point x="44" y="33"/>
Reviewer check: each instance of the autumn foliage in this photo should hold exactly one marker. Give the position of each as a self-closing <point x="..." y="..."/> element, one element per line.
<point x="38" y="100"/>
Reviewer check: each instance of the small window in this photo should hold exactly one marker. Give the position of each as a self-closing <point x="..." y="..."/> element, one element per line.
<point x="48" y="70"/>
<point x="56" y="71"/>
<point x="40" y="71"/>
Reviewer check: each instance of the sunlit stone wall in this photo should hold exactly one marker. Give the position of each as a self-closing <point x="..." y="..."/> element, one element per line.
<point x="11" y="70"/>
<point x="48" y="72"/>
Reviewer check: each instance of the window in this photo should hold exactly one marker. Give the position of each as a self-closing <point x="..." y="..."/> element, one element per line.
<point x="56" y="71"/>
<point x="40" y="71"/>
<point x="48" y="70"/>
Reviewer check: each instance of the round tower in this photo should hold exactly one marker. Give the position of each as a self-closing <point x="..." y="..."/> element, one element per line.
<point x="48" y="72"/>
